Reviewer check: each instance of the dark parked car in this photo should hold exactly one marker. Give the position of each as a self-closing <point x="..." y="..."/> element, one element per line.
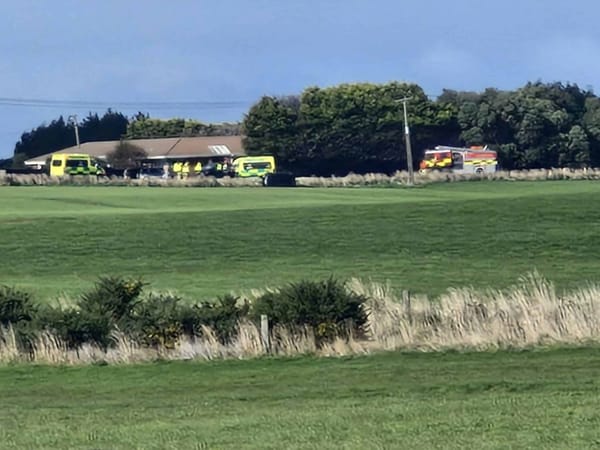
<point x="280" y="179"/>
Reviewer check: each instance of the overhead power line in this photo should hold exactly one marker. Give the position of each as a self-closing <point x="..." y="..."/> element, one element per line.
<point x="20" y="102"/>
<point x="85" y="104"/>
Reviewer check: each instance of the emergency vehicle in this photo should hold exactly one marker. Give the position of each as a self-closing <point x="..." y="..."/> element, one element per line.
<point x="476" y="160"/>
<point x="74" y="164"/>
<point x="253" y="166"/>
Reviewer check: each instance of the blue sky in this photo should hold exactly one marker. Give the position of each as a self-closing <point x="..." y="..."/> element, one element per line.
<point x="135" y="52"/>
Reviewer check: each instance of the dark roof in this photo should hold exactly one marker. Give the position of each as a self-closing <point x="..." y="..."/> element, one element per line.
<point x="171" y="148"/>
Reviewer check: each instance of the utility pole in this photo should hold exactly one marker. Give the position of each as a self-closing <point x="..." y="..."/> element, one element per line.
<point x="73" y="120"/>
<point x="409" y="161"/>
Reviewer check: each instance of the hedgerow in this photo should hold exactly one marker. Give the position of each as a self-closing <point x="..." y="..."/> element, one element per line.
<point x="156" y="320"/>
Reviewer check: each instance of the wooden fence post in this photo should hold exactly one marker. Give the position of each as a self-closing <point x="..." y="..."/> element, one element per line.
<point x="264" y="333"/>
<point x="408" y="306"/>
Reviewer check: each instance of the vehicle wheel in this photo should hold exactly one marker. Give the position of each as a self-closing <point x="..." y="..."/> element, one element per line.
<point x="479" y="171"/>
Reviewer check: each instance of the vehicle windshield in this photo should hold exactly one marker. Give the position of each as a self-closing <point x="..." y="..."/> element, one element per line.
<point x="77" y="163"/>
<point x="257" y="165"/>
<point x="436" y="155"/>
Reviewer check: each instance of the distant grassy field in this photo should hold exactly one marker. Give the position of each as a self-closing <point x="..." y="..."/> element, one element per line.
<point x="204" y="242"/>
<point x="543" y="399"/>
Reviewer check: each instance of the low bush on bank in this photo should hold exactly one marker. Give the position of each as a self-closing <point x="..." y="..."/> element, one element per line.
<point x="327" y="307"/>
<point x="162" y="320"/>
<point x="19" y="311"/>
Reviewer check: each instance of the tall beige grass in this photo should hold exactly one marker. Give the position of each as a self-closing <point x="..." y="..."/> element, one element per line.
<point x="400" y="178"/>
<point x="530" y="314"/>
<point x="197" y="181"/>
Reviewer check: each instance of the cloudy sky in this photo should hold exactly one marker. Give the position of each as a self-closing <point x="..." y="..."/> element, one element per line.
<point x="222" y="55"/>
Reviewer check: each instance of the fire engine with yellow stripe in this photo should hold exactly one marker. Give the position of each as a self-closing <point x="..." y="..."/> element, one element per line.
<point x="475" y="160"/>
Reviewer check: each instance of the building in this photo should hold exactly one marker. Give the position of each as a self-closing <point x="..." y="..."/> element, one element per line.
<point x="161" y="150"/>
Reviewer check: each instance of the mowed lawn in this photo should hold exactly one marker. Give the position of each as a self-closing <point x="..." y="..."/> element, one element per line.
<point x="541" y="399"/>
<point x="202" y="242"/>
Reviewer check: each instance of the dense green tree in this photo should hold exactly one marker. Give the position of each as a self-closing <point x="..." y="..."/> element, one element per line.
<point x="576" y="149"/>
<point x="44" y="139"/>
<point x="111" y="126"/>
<point x="59" y="134"/>
<point x="591" y="124"/>
<point x="143" y="126"/>
<point x="354" y="126"/>
<point x="271" y="127"/>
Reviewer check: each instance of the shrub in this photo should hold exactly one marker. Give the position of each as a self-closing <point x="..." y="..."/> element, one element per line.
<point x="18" y="310"/>
<point x="115" y="296"/>
<point x="222" y="316"/>
<point x="98" y="312"/>
<point x="76" y="327"/>
<point x="156" y="321"/>
<point x="16" y="306"/>
<point x="328" y="307"/>
<point x="160" y="320"/>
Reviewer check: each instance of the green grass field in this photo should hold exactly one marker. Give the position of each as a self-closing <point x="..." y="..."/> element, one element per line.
<point x="205" y="242"/>
<point x="543" y="399"/>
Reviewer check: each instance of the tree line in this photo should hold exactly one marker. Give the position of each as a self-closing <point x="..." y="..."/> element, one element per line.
<point x="60" y="133"/>
<point x="359" y="127"/>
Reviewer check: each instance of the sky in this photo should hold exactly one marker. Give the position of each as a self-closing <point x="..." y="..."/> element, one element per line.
<point x="210" y="60"/>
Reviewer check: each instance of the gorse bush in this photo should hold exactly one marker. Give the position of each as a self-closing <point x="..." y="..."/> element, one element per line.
<point x="328" y="307"/>
<point x="97" y="313"/>
<point x="222" y="316"/>
<point x="156" y="321"/>
<point x="16" y="306"/>
<point x="115" y="296"/>
<point x="76" y="327"/>
<point x="19" y="311"/>
<point x="161" y="321"/>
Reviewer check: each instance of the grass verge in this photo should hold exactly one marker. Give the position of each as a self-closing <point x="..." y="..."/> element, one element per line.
<point x="540" y="399"/>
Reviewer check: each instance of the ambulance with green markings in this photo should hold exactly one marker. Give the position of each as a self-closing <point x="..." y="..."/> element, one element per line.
<point x="62" y="164"/>
<point x="253" y="166"/>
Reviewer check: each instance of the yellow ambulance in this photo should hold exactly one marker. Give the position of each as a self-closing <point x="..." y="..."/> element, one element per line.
<point x="253" y="166"/>
<point x="73" y="164"/>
